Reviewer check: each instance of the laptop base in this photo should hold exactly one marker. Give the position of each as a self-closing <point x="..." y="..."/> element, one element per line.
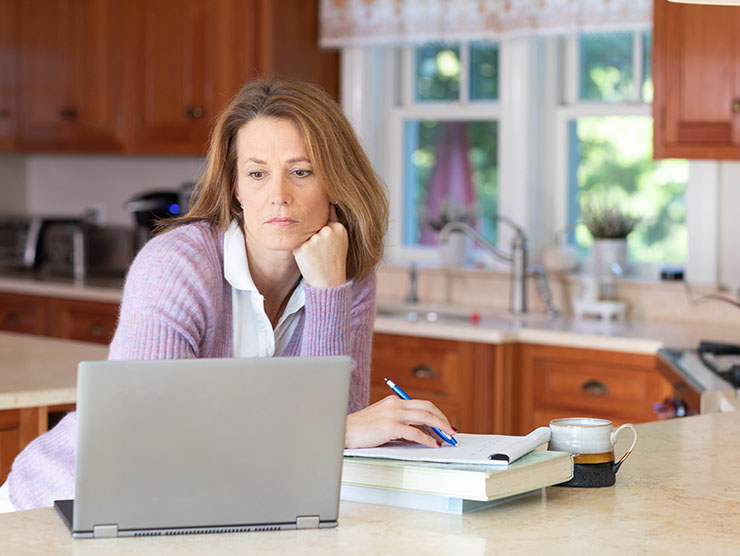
<point x="65" y="509"/>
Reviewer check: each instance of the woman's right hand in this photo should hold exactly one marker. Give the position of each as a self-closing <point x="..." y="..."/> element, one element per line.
<point x="393" y="418"/>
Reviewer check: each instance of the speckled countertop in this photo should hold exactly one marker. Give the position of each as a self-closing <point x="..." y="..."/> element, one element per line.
<point x="37" y="371"/>
<point x="678" y="492"/>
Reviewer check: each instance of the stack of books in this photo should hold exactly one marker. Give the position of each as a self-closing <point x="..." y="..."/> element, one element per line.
<point x="447" y="486"/>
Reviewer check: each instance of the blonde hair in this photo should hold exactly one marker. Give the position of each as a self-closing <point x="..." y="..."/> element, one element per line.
<point x="338" y="160"/>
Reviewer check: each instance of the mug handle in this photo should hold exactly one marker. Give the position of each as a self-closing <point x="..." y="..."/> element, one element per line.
<point x="613" y="440"/>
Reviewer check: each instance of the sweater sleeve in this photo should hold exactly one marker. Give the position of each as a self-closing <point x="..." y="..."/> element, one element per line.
<point x="339" y="321"/>
<point x="172" y="308"/>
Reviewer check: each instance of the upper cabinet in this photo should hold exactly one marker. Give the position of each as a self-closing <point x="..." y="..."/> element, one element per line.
<point x="143" y="76"/>
<point x="69" y="58"/>
<point x="696" y="72"/>
<point x="8" y="73"/>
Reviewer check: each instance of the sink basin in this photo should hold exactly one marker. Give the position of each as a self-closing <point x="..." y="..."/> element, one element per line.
<point x="452" y="315"/>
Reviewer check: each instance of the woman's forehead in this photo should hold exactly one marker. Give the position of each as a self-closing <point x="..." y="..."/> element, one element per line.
<point x="268" y="136"/>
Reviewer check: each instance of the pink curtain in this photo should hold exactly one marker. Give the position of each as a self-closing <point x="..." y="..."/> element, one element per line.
<point x="450" y="186"/>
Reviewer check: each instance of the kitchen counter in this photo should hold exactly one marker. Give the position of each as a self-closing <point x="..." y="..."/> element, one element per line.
<point x="104" y="290"/>
<point x="496" y="328"/>
<point x="679" y="491"/>
<point x="38" y="371"/>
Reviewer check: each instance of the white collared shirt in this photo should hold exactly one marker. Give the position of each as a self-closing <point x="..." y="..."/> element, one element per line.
<point x="252" y="330"/>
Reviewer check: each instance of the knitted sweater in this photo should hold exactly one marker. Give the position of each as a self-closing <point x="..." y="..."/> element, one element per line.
<point x="177" y="305"/>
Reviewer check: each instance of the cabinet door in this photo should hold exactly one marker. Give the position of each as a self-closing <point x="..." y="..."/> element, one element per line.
<point x="8" y="72"/>
<point x="26" y="314"/>
<point x="568" y="382"/>
<point x="189" y="58"/>
<point x="87" y="321"/>
<point x="696" y="72"/>
<point x="69" y="64"/>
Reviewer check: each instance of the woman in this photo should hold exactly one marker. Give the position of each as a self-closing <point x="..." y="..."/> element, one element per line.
<point x="276" y="257"/>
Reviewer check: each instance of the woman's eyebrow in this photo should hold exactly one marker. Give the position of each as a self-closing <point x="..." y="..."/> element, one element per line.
<point x="256" y="160"/>
<point x="298" y="159"/>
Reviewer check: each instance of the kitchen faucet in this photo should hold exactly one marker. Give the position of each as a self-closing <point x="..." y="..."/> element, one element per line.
<point x="518" y="261"/>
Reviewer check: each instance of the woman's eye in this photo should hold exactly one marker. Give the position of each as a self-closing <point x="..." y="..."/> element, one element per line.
<point x="256" y="174"/>
<point x="302" y="173"/>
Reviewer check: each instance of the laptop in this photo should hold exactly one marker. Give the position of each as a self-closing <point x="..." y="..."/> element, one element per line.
<point x="173" y="447"/>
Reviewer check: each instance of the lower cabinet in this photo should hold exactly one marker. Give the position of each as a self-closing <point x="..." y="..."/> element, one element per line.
<point x="73" y="319"/>
<point x="558" y="382"/>
<point x="456" y="376"/>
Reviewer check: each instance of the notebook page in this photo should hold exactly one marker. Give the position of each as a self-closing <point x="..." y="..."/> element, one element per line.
<point x="471" y="449"/>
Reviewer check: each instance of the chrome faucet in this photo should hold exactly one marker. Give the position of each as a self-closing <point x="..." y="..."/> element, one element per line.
<point x="412" y="296"/>
<point x="517" y="258"/>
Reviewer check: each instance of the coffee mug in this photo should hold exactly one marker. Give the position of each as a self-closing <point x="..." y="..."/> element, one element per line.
<point x="591" y="441"/>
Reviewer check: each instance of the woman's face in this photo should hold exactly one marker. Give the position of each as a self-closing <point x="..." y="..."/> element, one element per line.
<point x="283" y="202"/>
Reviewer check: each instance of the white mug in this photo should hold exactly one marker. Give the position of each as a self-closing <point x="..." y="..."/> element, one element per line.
<point x="591" y="441"/>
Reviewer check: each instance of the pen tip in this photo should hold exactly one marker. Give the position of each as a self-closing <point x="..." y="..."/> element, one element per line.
<point x="385" y="379"/>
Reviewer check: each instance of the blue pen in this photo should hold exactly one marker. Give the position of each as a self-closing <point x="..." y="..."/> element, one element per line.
<point x="404" y="396"/>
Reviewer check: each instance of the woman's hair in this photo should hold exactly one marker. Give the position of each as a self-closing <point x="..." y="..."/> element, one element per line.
<point x="338" y="160"/>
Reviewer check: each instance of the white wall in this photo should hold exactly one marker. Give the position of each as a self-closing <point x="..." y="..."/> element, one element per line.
<point x="729" y="225"/>
<point x="68" y="184"/>
<point x="12" y="184"/>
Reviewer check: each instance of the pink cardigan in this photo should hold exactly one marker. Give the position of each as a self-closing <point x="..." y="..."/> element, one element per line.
<point x="177" y="305"/>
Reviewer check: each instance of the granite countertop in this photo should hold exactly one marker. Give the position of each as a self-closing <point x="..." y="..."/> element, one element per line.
<point x="37" y="371"/>
<point x="678" y="489"/>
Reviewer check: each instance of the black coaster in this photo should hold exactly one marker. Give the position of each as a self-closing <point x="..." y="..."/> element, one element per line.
<point x="592" y="475"/>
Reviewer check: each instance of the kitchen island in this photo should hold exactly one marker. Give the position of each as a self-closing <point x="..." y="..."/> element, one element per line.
<point x="679" y="492"/>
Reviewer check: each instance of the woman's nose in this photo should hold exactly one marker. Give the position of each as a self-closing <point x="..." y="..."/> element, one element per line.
<point x="280" y="191"/>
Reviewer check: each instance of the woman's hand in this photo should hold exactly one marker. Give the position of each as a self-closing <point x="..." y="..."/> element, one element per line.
<point x="393" y="418"/>
<point x="322" y="258"/>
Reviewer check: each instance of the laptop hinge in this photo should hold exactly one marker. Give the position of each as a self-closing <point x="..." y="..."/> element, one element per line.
<point x="307" y="522"/>
<point x="103" y="531"/>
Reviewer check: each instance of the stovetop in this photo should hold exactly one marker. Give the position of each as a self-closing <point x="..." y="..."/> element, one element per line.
<point x="722" y="359"/>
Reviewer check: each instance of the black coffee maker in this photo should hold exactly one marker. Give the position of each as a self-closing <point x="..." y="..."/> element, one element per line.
<point x="148" y="208"/>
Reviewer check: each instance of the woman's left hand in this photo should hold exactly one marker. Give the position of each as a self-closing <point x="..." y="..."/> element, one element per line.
<point x="322" y="258"/>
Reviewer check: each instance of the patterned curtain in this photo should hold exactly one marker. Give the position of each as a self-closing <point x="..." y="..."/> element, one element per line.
<point x="366" y="22"/>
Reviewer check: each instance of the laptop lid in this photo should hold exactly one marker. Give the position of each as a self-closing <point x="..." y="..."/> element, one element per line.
<point x="209" y="444"/>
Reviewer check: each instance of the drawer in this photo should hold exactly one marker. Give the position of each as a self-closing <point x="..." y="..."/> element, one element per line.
<point x="22" y="313"/>
<point x="86" y="321"/>
<point x="421" y="366"/>
<point x="596" y="389"/>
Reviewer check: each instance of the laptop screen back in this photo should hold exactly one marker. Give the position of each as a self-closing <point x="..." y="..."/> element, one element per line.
<point x="209" y="442"/>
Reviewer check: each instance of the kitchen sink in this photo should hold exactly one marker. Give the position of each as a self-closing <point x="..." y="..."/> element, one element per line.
<point x="454" y="315"/>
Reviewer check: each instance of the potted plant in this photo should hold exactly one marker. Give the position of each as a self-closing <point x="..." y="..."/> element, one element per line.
<point x="609" y="226"/>
<point x="454" y="252"/>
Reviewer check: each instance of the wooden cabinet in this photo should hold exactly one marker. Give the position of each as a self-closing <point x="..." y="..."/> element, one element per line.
<point x="696" y="74"/>
<point x="8" y="73"/>
<point x="86" y="321"/>
<point x="144" y="76"/>
<point x="69" y="75"/>
<point x="456" y="376"/>
<point x="558" y="382"/>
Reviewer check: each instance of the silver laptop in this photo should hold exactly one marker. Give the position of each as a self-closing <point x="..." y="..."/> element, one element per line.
<point x="208" y="445"/>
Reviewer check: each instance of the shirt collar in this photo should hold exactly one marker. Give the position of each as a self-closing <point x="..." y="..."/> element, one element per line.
<point x="236" y="268"/>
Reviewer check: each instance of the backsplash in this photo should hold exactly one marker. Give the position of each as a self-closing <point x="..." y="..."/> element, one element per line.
<point x="489" y="290"/>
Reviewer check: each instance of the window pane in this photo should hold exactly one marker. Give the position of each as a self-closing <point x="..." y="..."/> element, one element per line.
<point x="606" y="67"/>
<point x="451" y="173"/>
<point x="483" y="71"/>
<point x="437" y="72"/>
<point x="613" y="162"/>
<point x="647" y="81"/>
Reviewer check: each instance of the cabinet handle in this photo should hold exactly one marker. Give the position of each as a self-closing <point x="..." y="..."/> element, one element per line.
<point x="595" y="388"/>
<point x="68" y="113"/>
<point x="4" y="113"/>
<point x="736" y="106"/>
<point x="97" y="330"/>
<point x="423" y="372"/>
<point x="194" y="112"/>
<point x="11" y="319"/>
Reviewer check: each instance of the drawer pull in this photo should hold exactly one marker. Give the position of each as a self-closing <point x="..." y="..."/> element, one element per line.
<point x="11" y="319"/>
<point x="595" y="387"/>
<point x="97" y="330"/>
<point x="423" y="372"/>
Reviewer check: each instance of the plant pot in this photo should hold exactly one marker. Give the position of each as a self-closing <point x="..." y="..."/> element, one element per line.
<point x="609" y="257"/>
<point x="454" y="252"/>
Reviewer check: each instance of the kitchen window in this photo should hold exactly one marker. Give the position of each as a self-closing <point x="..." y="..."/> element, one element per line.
<point x="604" y="130"/>
<point x="445" y="122"/>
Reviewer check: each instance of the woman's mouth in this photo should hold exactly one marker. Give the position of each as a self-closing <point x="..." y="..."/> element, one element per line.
<point x="281" y="221"/>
